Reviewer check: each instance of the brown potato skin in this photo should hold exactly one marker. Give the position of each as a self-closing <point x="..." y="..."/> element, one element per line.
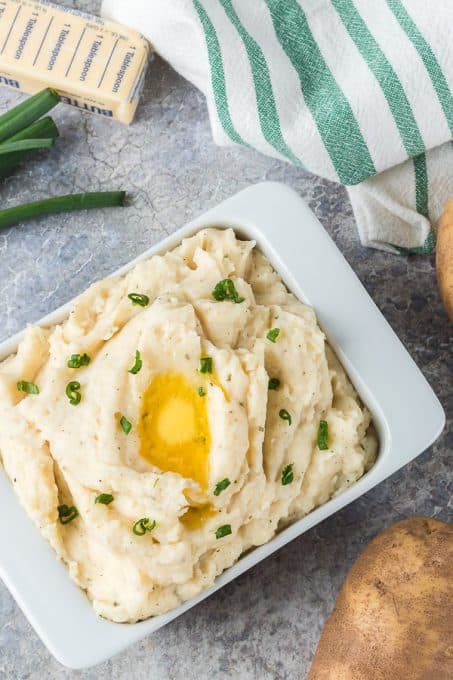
<point x="393" y="619"/>
<point x="444" y="258"/>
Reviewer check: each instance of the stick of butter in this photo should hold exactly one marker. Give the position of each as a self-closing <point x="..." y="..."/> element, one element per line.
<point x="95" y="65"/>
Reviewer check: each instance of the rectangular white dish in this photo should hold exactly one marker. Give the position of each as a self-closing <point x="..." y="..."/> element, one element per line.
<point x="406" y="413"/>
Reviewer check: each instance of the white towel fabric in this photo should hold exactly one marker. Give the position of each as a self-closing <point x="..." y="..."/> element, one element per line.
<point x="359" y="92"/>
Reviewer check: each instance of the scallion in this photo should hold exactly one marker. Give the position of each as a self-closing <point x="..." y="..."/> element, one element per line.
<point x="206" y="365"/>
<point x="223" y="531"/>
<point x="144" y="525"/>
<point x="73" y="393"/>
<point x="66" y="514"/>
<point x="287" y="474"/>
<point x="226" y="290"/>
<point x="78" y="360"/>
<point x="104" y="499"/>
<point x="22" y="145"/>
<point x="139" y="299"/>
<point x="138" y="364"/>
<point x="44" y="128"/>
<point x="27" y="112"/>
<point x="59" y="204"/>
<point x="221" y="486"/>
<point x="273" y="334"/>
<point x="285" y="415"/>
<point x="125" y="425"/>
<point x="27" y="387"/>
<point x="323" y="436"/>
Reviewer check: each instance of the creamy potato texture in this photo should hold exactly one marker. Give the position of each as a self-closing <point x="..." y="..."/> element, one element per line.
<point x="200" y="412"/>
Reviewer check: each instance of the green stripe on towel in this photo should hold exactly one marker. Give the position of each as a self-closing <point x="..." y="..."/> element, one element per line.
<point x="217" y="74"/>
<point x="385" y="75"/>
<point x="325" y="100"/>
<point x="426" y="249"/>
<point x="422" y="206"/>
<point x="421" y="184"/>
<point x="427" y="56"/>
<point x="267" y="110"/>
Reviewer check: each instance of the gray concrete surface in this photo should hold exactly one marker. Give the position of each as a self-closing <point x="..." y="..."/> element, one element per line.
<point x="267" y="623"/>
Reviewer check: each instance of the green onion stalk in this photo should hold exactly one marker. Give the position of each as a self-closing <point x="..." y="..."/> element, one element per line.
<point x="23" y="130"/>
<point x="60" y="204"/>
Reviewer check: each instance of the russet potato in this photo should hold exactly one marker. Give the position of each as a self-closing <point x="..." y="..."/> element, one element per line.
<point x="393" y="619"/>
<point x="444" y="258"/>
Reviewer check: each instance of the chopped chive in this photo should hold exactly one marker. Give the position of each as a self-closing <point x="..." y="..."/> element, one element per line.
<point x="273" y="334"/>
<point x="221" y="486"/>
<point x="274" y="384"/>
<point x="27" y="112"/>
<point x="126" y="426"/>
<point x="59" y="204"/>
<point x="73" y="393"/>
<point x="202" y="392"/>
<point x="206" y="365"/>
<point x="27" y="387"/>
<point x="104" y="498"/>
<point x="287" y="475"/>
<point x="284" y="415"/>
<point x="78" y="360"/>
<point x="139" y="299"/>
<point x="66" y="514"/>
<point x="143" y="525"/>
<point x="323" y="436"/>
<point x="226" y="290"/>
<point x="138" y="364"/>
<point x="223" y="531"/>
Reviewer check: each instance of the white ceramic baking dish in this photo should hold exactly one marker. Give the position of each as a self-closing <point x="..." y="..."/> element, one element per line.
<point x="407" y="415"/>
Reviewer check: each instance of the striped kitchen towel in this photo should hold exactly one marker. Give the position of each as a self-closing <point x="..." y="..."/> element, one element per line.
<point x="357" y="91"/>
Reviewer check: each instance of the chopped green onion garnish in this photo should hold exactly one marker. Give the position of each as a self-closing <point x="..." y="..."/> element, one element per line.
<point x="323" y="436"/>
<point x="226" y="290"/>
<point x="78" y="360"/>
<point x="143" y="525"/>
<point x="138" y="364"/>
<point x="273" y="334"/>
<point x="59" y="204"/>
<point x="206" y="365"/>
<point x="284" y="415"/>
<point x="202" y="391"/>
<point x="274" y="384"/>
<point x="28" y="387"/>
<point x="73" y="393"/>
<point x="139" y="299"/>
<point x="104" y="498"/>
<point x="126" y="426"/>
<point x="223" y="531"/>
<point x="221" y="486"/>
<point x="66" y="514"/>
<point x="287" y="475"/>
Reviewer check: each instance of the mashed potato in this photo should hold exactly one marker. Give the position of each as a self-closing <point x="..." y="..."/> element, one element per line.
<point x="181" y="415"/>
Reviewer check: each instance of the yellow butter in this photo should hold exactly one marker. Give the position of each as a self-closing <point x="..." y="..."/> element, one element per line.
<point x="95" y="65"/>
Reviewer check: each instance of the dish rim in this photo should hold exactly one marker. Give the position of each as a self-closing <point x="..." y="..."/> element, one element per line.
<point x="261" y="212"/>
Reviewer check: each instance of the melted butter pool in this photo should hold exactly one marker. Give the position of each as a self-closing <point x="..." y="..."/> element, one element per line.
<point x="195" y="518"/>
<point x="174" y="428"/>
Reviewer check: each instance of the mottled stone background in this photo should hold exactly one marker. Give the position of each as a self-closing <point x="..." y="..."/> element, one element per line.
<point x="266" y="624"/>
